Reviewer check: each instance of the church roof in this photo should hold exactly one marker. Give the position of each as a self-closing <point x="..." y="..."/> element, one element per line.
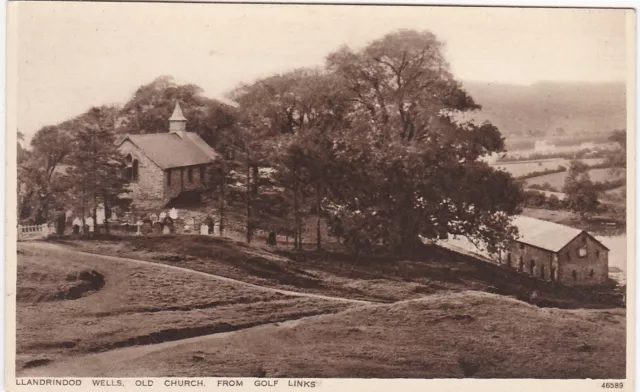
<point x="544" y="234"/>
<point x="177" y="114"/>
<point x="170" y="150"/>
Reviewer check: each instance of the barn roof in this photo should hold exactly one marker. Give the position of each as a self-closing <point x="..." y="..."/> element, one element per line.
<point x="174" y="149"/>
<point x="546" y="235"/>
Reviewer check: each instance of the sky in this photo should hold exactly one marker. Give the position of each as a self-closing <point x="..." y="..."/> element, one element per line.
<point x="71" y="56"/>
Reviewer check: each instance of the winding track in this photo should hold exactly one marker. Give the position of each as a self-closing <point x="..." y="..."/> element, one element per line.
<point x="45" y="246"/>
<point x="105" y="362"/>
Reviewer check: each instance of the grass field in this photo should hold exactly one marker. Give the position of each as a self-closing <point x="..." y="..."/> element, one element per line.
<point x="521" y="168"/>
<point x="450" y="335"/>
<point x="71" y="304"/>
<point x="557" y="179"/>
<point x="370" y="277"/>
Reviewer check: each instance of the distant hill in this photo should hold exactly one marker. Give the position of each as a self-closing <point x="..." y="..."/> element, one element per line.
<point x="576" y="107"/>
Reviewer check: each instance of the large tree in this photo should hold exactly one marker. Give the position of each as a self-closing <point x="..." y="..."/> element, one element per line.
<point x="42" y="186"/>
<point x="581" y="194"/>
<point x="409" y="168"/>
<point x="294" y="117"/>
<point x="151" y="105"/>
<point x="96" y="165"/>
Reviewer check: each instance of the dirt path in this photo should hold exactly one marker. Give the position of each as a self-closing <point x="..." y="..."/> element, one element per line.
<point x="106" y="363"/>
<point x="45" y="246"/>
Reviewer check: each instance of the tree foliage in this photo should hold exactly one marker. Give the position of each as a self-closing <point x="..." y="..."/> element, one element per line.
<point x="582" y="196"/>
<point x="409" y="167"/>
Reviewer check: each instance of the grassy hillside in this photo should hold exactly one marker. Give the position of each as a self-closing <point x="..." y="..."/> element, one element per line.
<point x="468" y="334"/>
<point x="546" y="106"/>
<point x="71" y="304"/>
<point x="376" y="278"/>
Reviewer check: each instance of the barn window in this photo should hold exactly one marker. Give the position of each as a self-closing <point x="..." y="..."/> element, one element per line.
<point x="202" y="174"/>
<point x="190" y="175"/>
<point x="582" y="252"/>
<point x="521" y="245"/>
<point x="591" y="273"/>
<point x="552" y="274"/>
<point x="597" y="253"/>
<point x="532" y="267"/>
<point x="575" y="275"/>
<point x="169" y="177"/>
<point x="521" y="267"/>
<point x="134" y="170"/>
<point x="568" y="255"/>
<point x="542" y="271"/>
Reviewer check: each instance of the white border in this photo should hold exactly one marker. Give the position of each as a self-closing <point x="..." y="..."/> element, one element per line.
<point x="6" y="108"/>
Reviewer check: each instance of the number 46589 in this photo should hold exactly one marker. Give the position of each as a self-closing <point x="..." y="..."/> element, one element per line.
<point x="615" y="385"/>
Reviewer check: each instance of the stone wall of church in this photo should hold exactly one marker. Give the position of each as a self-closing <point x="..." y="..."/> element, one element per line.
<point x="148" y="190"/>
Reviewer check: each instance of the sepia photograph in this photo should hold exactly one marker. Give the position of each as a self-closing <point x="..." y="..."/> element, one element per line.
<point x="307" y="192"/>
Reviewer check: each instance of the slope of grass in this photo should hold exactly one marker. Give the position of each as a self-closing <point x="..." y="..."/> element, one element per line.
<point x="137" y="304"/>
<point x="371" y="277"/>
<point x="468" y="334"/>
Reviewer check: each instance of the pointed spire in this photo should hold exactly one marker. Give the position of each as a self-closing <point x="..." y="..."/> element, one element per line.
<point x="177" y="114"/>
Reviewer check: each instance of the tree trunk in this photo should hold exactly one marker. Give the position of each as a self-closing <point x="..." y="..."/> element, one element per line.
<point x="84" y="224"/>
<point x="318" y="234"/>
<point x="296" y="218"/>
<point x="256" y="176"/>
<point x="223" y="181"/>
<point x="106" y="214"/>
<point x="249" y="192"/>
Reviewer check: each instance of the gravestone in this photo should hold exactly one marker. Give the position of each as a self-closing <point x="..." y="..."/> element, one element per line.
<point x="77" y="224"/>
<point x="89" y="222"/>
<point x="147" y="227"/>
<point x="210" y="224"/>
<point x="271" y="239"/>
<point x="166" y="230"/>
<point x="154" y="218"/>
<point x="168" y="222"/>
<point x="138" y="227"/>
<point x="157" y="228"/>
<point x="60" y="223"/>
<point x="173" y="214"/>
<point x="204" y="230"/>
<point x="162" y="215"/>
<point x="100" y="215"/>
<point x="216" y="229"/>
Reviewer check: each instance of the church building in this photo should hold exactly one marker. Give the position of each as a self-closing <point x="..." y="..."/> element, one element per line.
<point x="162" y="166"/>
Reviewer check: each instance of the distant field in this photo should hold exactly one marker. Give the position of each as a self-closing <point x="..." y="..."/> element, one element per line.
<point x="448" y="335"/>
<point x="557" y="179"/>
<point x="521" y="168"/>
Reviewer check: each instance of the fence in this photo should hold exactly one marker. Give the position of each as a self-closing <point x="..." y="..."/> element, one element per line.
<point x="33" y="232"/>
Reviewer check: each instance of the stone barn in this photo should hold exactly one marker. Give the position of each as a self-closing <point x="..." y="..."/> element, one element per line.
<point x="559" y="253"/>
<point x="162" y="166"/>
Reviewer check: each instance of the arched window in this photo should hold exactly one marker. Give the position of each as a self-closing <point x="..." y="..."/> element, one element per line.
<point x="575" y="275"/>
<point x="591" y="273"/>
<point x="134" y="170"/>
